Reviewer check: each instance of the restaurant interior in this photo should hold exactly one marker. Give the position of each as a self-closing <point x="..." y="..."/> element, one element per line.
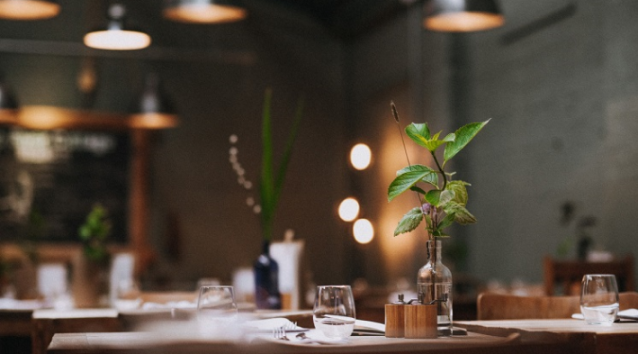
<point x="159" y="158"/>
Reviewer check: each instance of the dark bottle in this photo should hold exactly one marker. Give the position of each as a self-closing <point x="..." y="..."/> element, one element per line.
<point x="267" y="280"/>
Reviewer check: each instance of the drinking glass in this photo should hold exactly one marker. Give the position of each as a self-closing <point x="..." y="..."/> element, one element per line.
<point x="216" y="306"/>
<point x="127" y="295"/>
<point x="334" y="312"/>
<point x="599" y="299"/>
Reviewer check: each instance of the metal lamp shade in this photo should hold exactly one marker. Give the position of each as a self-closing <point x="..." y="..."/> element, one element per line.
<point x="116" y="36"/>
<point x="153" y="109"/>
<point x="203" y="11"/>
<point x="462" y="15"/>
<point x="28" y="9"/>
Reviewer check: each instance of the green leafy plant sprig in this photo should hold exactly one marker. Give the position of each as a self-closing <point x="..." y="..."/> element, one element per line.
<point x="443" y="200"/>
<point x="270" y="184"/>
<point x="94" y="233"/>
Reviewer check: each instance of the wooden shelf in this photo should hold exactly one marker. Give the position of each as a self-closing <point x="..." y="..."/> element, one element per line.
<point x="49" y="117"/>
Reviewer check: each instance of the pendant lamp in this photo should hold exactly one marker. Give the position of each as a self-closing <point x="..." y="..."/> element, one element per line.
<point x="203" y="11"/>
<point x="28" y="9"/>
<point x="116" y="36"/>
<point x="153" y="109"/>
<point x="462" y="15"/>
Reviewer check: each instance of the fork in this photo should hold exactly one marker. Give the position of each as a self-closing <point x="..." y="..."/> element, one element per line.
<point x="280" y="333"/>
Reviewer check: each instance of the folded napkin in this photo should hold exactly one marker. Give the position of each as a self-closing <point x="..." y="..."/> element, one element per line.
<point x="629" y="314"/>
<point x="169" y="305"/>
<point x="13" y="304"/>
<point x="270" y="324"/>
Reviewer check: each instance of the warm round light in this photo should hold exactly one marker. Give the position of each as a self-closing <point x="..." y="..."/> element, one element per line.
<point x="28" y="9"/>
<point x="349" y="209"/>
<point x="360" y="156"/>
<point x="363" y="231"/>
<point x="117" y="40"/>
<point x="204" y="13"/>
<point x="463" y="22"/>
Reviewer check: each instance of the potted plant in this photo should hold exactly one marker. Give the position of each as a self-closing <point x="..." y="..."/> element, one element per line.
<point x="90" y="283"/>
<point x="266" y="269"/>
<point x="442" y="202"/>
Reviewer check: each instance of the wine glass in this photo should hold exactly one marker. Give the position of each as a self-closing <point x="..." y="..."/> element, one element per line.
<point x="334" y="311"/>
<point x="599" y="299"/>
<point x="216" y="307"/>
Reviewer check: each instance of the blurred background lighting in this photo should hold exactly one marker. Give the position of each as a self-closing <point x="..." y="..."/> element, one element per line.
<point x="363" y="231"/>
<point x="360" y="156"/>
<point x="349" y="209"/>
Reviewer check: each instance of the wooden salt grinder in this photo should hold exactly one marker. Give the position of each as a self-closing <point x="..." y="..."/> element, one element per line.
<point x="395" y="319"/>
<point x="420" y="321"/>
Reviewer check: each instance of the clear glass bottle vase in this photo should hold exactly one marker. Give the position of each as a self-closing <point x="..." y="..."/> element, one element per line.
<point x="434" y="283"/>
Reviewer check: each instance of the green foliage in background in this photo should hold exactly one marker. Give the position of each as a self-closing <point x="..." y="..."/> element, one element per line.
<point x="270" y="185"/>
<point x="94" y="233"/>
<point x="442" y="199"/>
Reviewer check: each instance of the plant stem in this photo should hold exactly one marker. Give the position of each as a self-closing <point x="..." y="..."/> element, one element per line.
<point x="395" y="114"/>
<point x="440" y="171"/>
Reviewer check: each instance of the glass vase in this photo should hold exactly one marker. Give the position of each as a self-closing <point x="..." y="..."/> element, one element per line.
<point x="266" y="269"/>
<point x="434" y="283"/>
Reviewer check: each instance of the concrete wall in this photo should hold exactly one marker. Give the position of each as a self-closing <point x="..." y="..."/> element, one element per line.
<point x="559" y="81"/>
<point x="561" y="99"/>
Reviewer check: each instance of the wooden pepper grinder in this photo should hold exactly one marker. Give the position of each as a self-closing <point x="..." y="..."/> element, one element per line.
<point x="420" y="320"/>
<point x="395" y="319"/>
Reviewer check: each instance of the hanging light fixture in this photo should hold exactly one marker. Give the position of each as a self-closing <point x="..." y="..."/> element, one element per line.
<point x="462" y="15"/>
<point x="8" y="105"/>
<point x="203" y="11"/>
<point x="153" y="109"/>
<point x="28" y="9"/>
<point x="116" y="36"/>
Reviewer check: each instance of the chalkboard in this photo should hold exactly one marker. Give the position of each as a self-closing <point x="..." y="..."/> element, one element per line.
<point x="50" y="180"/>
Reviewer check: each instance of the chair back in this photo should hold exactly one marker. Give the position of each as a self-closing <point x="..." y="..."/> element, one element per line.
<point x="493" y="306"/>
<point x="569" y="273"/>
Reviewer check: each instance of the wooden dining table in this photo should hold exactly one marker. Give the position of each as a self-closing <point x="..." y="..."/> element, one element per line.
<point x="620" y="337"/>
<point x="494" y="337"/>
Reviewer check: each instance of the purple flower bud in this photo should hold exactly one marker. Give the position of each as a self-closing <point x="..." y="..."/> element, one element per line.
<point x="426" y="208"/>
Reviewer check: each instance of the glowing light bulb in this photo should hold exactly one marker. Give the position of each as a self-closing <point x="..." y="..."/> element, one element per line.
<point x="363" y="231"/>
<point x="349" y="209"/>
<point x="360" y="156"/>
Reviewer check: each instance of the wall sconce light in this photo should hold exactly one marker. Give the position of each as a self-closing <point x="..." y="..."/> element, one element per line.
<point x="153" y="109"/>
<point x="202" y="11"/>
<point x="363" y="231"/>
<point x="28" y="9"/>
<point x="462" y="15"/>
<point x="360" y="156"/>
<point x="115" y="36"/>
<point x="349" y="209"/>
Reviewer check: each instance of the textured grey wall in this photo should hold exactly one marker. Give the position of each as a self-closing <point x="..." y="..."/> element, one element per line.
<point x="563" y="103"/>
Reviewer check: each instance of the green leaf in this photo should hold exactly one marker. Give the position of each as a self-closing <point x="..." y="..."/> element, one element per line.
<point x="266" y="184"/>
<point x="439" y="198"/>
<point x="460" y="192"/>
<point x="417" y="189"/>
<point x="418" y="132"/>
<point x="283" y="167"/>
<point x="407" y="180"/>
<point x="461" y="215"/>
<point x="410" y="221"/>
<point x="447" y="221"/>
<point x="463" y="136"/>
<point x="431" y="178"/>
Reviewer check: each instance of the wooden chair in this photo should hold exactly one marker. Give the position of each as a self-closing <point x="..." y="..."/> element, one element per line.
<point x="493" y="306"/>
<point x="569" y="273"/>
